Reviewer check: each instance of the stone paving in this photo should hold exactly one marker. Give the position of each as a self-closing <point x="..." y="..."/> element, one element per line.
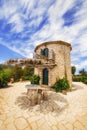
<point x="15" y="116"/>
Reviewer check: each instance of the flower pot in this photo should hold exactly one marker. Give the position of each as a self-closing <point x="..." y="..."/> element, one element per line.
<point x="20" y="79"/>
<point x="12" y="80"/>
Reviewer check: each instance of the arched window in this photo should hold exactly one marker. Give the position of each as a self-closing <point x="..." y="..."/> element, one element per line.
<point x="45" y="52"/>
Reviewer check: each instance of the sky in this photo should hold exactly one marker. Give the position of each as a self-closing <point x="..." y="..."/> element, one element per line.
<point x="24" y="24"/>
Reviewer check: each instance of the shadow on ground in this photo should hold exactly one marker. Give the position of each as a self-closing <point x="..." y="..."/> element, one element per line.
<point x="8" y="86"/>
<point x="55" y="103"/>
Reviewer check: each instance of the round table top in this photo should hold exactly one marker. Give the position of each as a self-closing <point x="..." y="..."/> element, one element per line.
<point x="34" y="86"/>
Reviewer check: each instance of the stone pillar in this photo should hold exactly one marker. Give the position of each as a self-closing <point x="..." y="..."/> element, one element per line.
<point x="41" y="78"/>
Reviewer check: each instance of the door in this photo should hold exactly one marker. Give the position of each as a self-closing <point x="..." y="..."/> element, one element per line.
<point x="45" y="76"/>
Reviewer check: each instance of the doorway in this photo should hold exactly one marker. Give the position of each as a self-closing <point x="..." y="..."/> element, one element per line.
<point x="45" y="76"/>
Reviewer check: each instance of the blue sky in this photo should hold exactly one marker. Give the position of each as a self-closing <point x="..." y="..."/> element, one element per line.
<point x="27" y="23"/>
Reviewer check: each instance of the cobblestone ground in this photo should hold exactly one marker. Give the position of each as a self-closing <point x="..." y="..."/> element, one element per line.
<point x="15" y="116"/>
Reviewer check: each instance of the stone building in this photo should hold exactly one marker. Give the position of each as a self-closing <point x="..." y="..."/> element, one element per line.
<point x="55" y="62"/>
<point x="51" y="62"/>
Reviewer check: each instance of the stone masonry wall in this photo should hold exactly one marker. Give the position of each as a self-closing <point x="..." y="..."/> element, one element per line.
<point x="62" y="61"/>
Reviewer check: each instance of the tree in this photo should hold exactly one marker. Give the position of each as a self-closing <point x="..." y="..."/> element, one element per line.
<point x="17" y="72"/>
<point x="28" y="71"/>
<point x="5" y="76"/>
<point x="73" y="70"/>
<point x="82" y="72"/>
<point x="1" y="68"/>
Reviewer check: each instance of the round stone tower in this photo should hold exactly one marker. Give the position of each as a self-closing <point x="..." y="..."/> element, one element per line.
<point x="55" y="62"/>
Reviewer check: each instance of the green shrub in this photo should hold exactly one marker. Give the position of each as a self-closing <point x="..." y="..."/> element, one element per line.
<point x="34" y="79"/>
<point x="84" y="79"/>
<point x="3" y="81"/>
<point x="5" y="76"/>
<point x="80" y="78"/>
<point x="61" y="84"/>
<point x="17" y="73"/>
<point x="26" y="78"/>
<point x="77" y="79"/>
<point x="28" y="71"/>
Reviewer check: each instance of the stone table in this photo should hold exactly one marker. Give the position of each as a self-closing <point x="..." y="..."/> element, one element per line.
<point x="36" y="94"/>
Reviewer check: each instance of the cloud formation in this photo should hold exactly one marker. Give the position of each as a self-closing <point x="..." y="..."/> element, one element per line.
<point x="25" y="24"/>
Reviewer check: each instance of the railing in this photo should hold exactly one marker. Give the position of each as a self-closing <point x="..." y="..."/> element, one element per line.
<point x="50" y="58"/>
<point x="39" y="60"/>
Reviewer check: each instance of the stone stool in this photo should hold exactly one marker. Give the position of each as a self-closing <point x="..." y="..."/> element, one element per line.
<point x="45" y="95"/>
<point x="39" y="98"/>
<point x="34" y="99"/>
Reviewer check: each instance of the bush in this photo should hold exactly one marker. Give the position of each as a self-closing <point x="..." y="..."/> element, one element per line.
<point x="77" y="79"/>
<point x="34" y="79"/>
<point x="17" y="73"/>
<point x="61" y="84"/>
<point x="84" y="79"/>
<point x="5" y="76"/>
<point x="25" y="78"/>
<point x="3" y="81"/>
<point x="80" y="78"/>
<point x="27" y="71"/>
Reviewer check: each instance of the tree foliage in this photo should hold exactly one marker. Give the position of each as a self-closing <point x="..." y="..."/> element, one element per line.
<point x="34" y="79"/>
<point x="28" y="71"/>
<point x="82" y="72"/>
<point x="5" y="76"/>
<point x="73" y="69"/>
<point x="1" y="68"/>
<point x="16" y="72"/>
<point x="82" y="77"/>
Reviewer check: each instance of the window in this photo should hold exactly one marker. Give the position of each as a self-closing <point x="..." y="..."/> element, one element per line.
<point x="45" y="52"/>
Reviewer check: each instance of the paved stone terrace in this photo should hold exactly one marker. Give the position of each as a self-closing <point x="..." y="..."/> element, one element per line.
<point x="17" y="117"/>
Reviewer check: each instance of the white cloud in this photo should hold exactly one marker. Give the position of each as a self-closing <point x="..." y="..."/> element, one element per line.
<point x="29" y="14"/>
<point x="2" y="61"/>
<point x="7" y="9"/>
<point x="83" y="64"/>
<point x="17" y="23"/>
<point x="58" y="9"/>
